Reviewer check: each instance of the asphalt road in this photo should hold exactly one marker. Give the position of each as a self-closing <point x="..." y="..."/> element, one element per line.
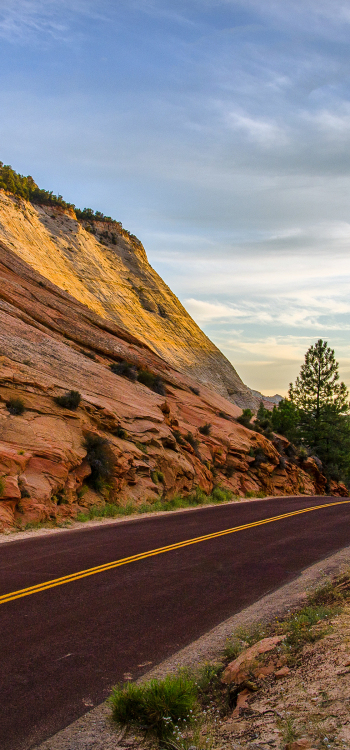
<point x="63" y="648"/>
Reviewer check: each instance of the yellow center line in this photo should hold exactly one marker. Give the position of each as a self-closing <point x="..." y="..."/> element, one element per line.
<point x="151" y="553"/>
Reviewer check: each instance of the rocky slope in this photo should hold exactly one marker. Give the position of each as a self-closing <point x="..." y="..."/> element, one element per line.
<point x="52" y="342"/>
<point x="106" y="269"/>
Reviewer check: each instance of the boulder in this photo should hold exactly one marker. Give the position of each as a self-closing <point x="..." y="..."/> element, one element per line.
<point x="238" y="670"/>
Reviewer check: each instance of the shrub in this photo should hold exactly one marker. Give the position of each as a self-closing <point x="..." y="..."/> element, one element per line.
<point x="194" y="390"/>
<point x="220" y="495"/>
<point x="178" y="437"/>
<point x="120" y="432"/>
<point x="154" y="382"/>
<point x="260" y="458"/>
<point x="69" y="400"/>
<point x="157" y="477"/>
<point x="15" y="406"/>
<point x="158" y="705"/>
<point x="205" y="429"/>
<point x="191" y="440"/>
<point x="101" y="460"/>
<point x="223" y="415"/>
<point x="124" y="369"/>
<point x="245" y="418"/>
<point x="158" y="386"/>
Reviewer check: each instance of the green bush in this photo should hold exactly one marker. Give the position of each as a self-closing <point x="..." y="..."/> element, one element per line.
<point x="157" y="477"/>
<point x="205" y="429"/>
<point x="219" y="495"/>
<point x="101" y="460"/>
<point x="15" y="406"/>
<point x="69" y="400"/>
<point x="124" y="369"/>
<point x="158" y="705"/>
<point x="245" y="418"/>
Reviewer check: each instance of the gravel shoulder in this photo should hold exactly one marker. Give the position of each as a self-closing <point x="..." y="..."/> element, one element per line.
<point x="93" y="731"/>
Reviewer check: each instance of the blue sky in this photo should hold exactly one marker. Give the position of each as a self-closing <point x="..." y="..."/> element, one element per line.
<point x="218" y="132"/>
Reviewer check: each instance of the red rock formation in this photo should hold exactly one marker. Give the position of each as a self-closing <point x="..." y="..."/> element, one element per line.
<point x="49" y="344"/>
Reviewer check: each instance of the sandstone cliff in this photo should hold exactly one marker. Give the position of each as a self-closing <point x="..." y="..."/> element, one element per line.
<point x="106" y="269"/>
<point x="52" y="342"/>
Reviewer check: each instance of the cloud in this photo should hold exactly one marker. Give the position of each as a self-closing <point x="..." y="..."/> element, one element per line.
<point x="26" y="21"/>
<point x="216" y="130"/>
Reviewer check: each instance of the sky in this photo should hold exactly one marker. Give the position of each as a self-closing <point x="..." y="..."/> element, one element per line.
<point x="218" y="132"/>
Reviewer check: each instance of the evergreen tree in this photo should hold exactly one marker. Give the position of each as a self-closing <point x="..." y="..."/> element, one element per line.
<point x="322" y="404"/>
<point x="286" y="419"/>
<point x="263" y="422"/>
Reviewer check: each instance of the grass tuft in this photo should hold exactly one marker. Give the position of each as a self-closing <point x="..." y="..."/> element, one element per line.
<point x="157" y="706"/>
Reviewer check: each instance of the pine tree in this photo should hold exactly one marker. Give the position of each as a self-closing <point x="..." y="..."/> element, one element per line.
<point x="317" y="385"/>
<point x="322" y="403"/>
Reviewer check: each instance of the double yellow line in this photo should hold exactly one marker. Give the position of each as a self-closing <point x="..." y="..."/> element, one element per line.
<point x="151" y="553"/>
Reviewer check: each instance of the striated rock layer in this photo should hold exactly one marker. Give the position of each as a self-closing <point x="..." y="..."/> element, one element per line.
<point x="106" y="269"/>
<point x="50" y="343"/>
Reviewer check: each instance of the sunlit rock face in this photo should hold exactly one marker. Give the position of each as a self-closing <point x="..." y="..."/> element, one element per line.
<point x="53" y="341"/>
<point x="106" y="269"/>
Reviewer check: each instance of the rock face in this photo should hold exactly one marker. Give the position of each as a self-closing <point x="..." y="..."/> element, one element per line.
<point x="51" y="343"/>
<point x="106" y="269"/>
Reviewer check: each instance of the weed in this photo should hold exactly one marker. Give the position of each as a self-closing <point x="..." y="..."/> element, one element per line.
<point x="208" y="675"/>
<point x="101" y="460"/>
<point x="69" y="400"/>
<point x="287" y="728"/>
<point x="15" y="406"/>
<point x="205" y="429"/>
<point x="327" y="593"/>
<point x="157" y="706"/>
<point x="299" y="627"/>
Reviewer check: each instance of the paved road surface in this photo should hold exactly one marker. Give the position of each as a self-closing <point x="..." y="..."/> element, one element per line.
<point x="63" y="648"/>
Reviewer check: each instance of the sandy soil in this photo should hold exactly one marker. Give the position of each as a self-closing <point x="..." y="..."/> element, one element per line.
<point x="300" y="690"/>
